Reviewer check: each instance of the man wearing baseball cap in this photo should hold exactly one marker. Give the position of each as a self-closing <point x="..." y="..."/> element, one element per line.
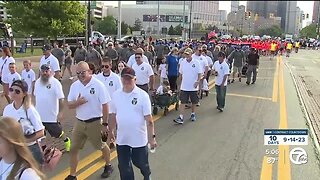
<point x="49" y="59"/>
<point x="130" y="110"/>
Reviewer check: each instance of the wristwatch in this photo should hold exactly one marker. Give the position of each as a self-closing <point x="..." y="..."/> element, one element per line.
<point x="105" y="124"/>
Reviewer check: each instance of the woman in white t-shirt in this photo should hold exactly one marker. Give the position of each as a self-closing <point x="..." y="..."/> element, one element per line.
<point x="17" y="161"/>
<point x="22" y="110"/>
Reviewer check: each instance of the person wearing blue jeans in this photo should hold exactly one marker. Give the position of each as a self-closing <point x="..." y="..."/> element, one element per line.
<point x="221" y="69"/>
<point x="130" y="110"/>
<point x="138" y="156"/>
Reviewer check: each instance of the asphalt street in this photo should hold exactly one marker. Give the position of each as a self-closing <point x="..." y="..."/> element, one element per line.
<point x="221" y="146"/>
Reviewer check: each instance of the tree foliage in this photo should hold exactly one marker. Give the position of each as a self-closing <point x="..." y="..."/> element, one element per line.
<point x="47" y="18"/>
<point x="178" y="30"/>
<point x="137" y="25"/>
<point x="309" y="31"/>
<point x="274" y="31"/>
<point x="171" y="30"/>
<point x="107" y="25"/>
<point x="124" y="27"/>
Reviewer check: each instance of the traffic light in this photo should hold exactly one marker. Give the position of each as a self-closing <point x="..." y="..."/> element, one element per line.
<point x="303" y="17"/>
<point x="307" y="16"/>
<point x="246" y="15"/>
<point x="249" y="14"/>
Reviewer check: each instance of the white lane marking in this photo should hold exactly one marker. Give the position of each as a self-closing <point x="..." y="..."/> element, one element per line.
<point x="314" y="61"/>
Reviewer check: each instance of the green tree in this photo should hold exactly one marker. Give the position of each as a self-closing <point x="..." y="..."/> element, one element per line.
<point x="171" y="31"/>
<point x="274" y="31"/>
<point x="107" y="25"/>
<point x="46" y="18"/>
<point x="309" y="31"/>
<point x="124" y="27"/>
<point x="137" y="25"/>
<point x="178" y="29"/>
<point x="129" y="31"/>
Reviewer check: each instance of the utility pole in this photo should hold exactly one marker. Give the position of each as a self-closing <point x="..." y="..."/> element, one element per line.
<point x="88" y="23"/>
<point x="318" y="25"/>
<point x="119" y="19"/>
<point x="183" y="23"/>
<point x="158" y="19"/>
<point x="190" y="20"/>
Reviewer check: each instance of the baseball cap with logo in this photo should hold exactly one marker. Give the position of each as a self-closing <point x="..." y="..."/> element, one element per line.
<point x="46" y="47"/>
<point x="188" y="51"/>
<point x="45" y="67"/>
<point x="127" y="71"/>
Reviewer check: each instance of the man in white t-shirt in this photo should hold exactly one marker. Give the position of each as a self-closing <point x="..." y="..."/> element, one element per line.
<point x="132" y="59"/>
<point x="221" y="69"/>
<point x="48" y="93"/>
<point x="110" y="79"/>
<point x="203" y="64"/>
<point x="50" y="59"/>
<point x="90" y="98"/>
<point x="144" y="72"/>
<point x="28" y="75"/>
<point x="190" y="75"/>
<point x="131" y="112"/>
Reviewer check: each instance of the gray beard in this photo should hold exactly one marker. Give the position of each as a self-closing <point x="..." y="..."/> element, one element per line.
<point x="44" y="81"/>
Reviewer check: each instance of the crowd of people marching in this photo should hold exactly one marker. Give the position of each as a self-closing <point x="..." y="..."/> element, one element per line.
<point x="111" y="93"/>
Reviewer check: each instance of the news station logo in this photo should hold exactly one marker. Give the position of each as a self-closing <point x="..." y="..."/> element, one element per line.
<point x="298" y="156"/>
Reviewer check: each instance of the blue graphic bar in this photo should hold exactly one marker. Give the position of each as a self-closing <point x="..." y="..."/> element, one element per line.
<point x="286" y="132"/>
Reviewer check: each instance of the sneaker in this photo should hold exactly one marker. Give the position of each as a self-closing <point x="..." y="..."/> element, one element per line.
<point x="67" y="144"/>
<point x="178" y="120"/>
<point x="253" y="82"/>
<point x="232" y="81"/>
<point x="239" y="79"/>
<point x="71" y="78"/>
<point x="220" y="109"/>
<point x="193" y="117"/>
<point x="247" y="83"/>
<point x="198" y="104"/>
<point x="71" y="177"/>
<point x="187" y="106"/>
<point x="108" y="169"/>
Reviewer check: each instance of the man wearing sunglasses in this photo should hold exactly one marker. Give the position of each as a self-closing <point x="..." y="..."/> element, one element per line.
<point x="144" y="72"/>
<point x="89" y="97"/>
<point x="110" y="79"/>
<point x="132" y="59"/>
<point x="51" y="60"/>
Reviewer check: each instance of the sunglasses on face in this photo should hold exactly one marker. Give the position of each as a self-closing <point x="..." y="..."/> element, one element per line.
<point x="17" y="91"/>
<point x="81" y="72"/>
<point x="105" y="66"/>
<point x="137" y="57"/>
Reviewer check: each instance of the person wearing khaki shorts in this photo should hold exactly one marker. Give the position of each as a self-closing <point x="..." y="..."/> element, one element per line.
<point x="90" y="98"/>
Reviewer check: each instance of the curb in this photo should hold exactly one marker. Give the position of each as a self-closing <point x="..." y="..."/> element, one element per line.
<point x="306" y="114"/>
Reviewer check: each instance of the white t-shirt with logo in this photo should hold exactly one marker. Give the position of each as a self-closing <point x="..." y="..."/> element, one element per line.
<point x="202" y="60"/>
<point x="222" y="69"/>
<point x="10" y="78"/>
<point x="189" y="71"/>
<point x="130" y="109"/>
<point x="27" y="174"/>
<point x="20" y="115"/>
<point x="52" y="61"/>
<point x="95" y="93"/>
<point x="29" y="77"/>
<point x="143" y="73"/>
<point x="210" y="62"/>
<point x="47" y="99"/>
<point x="132" y="60"/>
<point x="112" y="82"/>
<point x="163" y="70"/>
<point x="4" y="65"/>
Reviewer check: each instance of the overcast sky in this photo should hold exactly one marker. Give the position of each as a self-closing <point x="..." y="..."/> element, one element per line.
<point x="306" y="6"/>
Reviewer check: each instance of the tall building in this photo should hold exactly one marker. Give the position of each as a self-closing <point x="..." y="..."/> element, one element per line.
<point x="316" y="12"/>
<point x="202" y="12"/>
<point x="287" y="10"/>
<point x="222" y="16"/>
<point x="99" y="11"/>
<point x="265" y="9"/>
<point x="234" y="6"/>
<point x="298" y="26"/>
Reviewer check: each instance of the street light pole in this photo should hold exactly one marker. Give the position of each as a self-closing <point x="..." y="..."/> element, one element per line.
<point x="119" y="19"/>
<point x="158" y="18"/>
<point x="190" y="20"/>
<point x="184" y="11"/>
<point x="88" y="23"/>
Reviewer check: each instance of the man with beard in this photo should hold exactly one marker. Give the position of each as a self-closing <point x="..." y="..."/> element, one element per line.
<point x="48" y="93"/>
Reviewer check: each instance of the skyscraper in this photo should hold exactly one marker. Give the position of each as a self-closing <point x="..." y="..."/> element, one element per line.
<point x="263" y="8"/>
<point x="316" y="11"/>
